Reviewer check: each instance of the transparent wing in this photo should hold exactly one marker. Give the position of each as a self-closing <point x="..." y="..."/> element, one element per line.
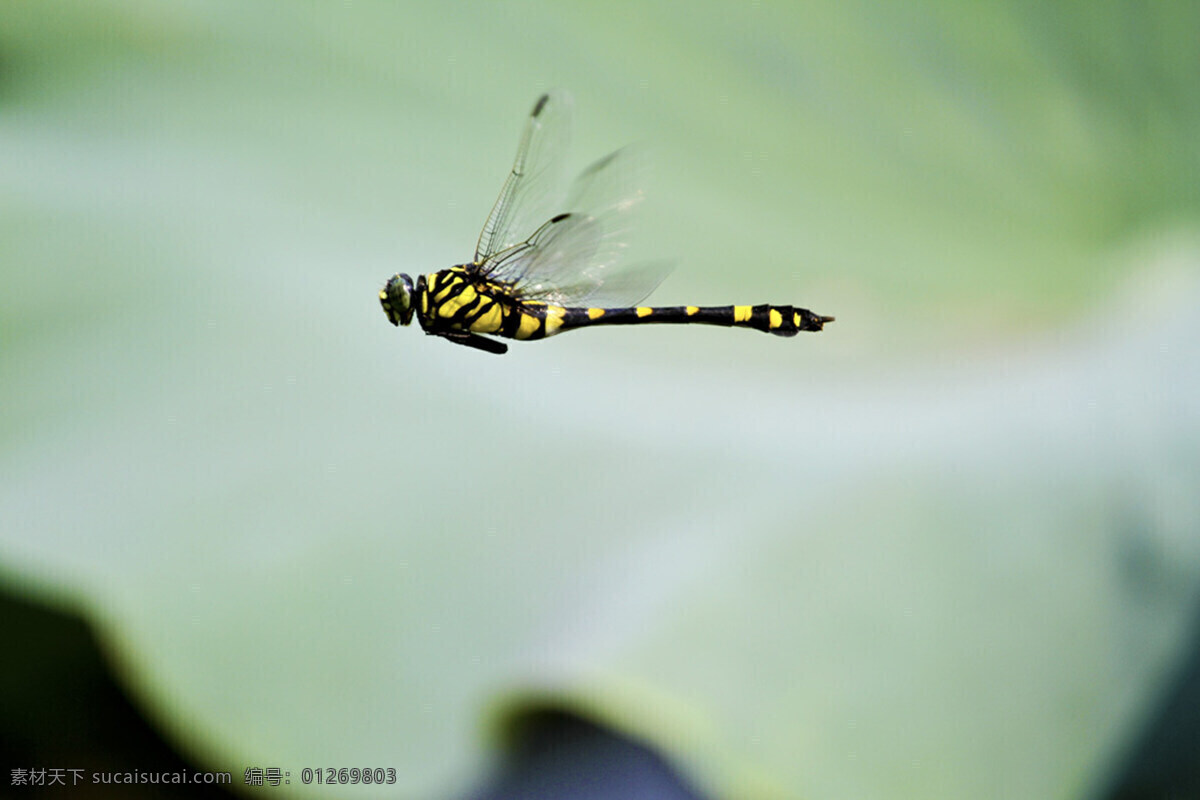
<point x="576" y="257"/>
<point x="534" y="189"/>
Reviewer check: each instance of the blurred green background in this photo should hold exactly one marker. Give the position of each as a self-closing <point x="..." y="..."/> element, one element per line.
<point x="946" y="548"/>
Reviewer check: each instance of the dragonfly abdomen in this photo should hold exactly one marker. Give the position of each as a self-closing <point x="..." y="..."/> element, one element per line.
<point x="537" y="322"/>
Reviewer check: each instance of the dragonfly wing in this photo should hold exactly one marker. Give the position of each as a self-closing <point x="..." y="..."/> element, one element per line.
<point x="576" y="258"/>
<point x="627" y="287"/>
<point x="533" y="190"/>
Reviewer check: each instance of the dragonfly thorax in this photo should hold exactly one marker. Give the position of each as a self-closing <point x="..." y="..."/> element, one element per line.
<point x="397" y="299"/>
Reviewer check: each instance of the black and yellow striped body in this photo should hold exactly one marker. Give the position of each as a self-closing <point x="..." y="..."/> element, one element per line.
<point x="456" y="304"/>
<point x="535" y="271"/>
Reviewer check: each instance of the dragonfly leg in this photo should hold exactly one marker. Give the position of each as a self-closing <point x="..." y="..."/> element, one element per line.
<point x="478" y="342"/>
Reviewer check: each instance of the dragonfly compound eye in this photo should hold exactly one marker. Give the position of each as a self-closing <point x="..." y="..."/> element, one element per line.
<point x="396" y="299"/>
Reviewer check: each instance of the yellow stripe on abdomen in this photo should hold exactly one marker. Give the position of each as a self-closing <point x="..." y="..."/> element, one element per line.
<point x="554" y="318"/>
<point x="742" y="313"/>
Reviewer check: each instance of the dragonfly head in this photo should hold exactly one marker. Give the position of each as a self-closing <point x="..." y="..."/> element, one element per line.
<point x="397" y="299"/>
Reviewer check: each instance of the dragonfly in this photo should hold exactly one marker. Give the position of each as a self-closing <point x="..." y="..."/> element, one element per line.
<point x="550" y="258"/>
